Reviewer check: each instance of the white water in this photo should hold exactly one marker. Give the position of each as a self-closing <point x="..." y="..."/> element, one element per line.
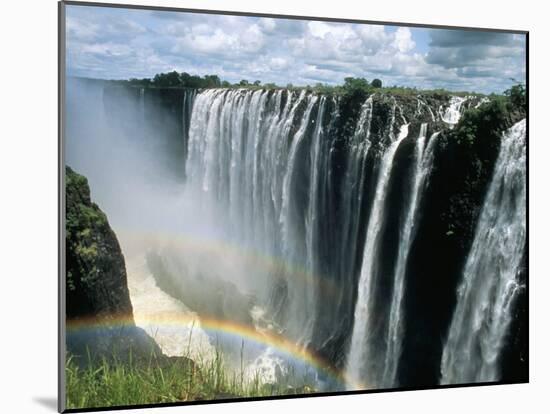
<point x="245" y="151"/>
<point x="361" y="366"/>
<point x="155" y="311"/>
<point x="482" y="101"/>
<point x="453" y="112"/>
<point x="490" y="278"/>
<point x="420" y="104"/>
<point x="423" y="164"/>
<point x="353" y="192"/>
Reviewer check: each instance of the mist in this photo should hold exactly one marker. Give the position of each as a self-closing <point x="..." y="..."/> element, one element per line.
<point x="134" y="159"/>
<point x="135" y="173"/>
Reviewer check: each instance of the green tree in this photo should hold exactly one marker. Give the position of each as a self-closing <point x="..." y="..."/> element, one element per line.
<point x="518" y="96"/>
<point x="356" y="84"/>
<point x="212" y="81"/>
<point x="376" y="83"/>
<point x="169" y="79"/>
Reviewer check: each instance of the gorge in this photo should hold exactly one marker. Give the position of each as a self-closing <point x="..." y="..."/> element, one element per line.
<point x="380" y="238"/>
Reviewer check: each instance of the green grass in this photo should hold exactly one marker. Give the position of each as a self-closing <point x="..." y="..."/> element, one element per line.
<point x="114" y="383"/>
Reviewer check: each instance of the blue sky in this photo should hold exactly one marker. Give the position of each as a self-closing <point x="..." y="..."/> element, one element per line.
<point x="113" y="43"/>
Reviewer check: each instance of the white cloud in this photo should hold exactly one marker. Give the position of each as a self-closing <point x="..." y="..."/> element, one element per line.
<point x="133" y="43"/>
<point x="216" y="42"/>
<point x="403" y="40"/>
<point x="81" y="30"/>
<point x="318" y="29"/>
<point x="374" y="38"/>
<point x="268" y="25"/>
<point x="107" y="49"/>
<point x="278" y="63"/>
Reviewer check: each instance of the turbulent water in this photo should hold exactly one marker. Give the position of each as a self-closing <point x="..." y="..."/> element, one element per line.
<point x="490" y="282"/>
<point x="451" y="114"/>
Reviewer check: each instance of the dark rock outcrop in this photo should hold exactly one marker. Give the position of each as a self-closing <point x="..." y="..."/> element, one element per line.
<point x="96" y="275"/>
<point x="206" y="294"/>
<point x="99" y="313"/>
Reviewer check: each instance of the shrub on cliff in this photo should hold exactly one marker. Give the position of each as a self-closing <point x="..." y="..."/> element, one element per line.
<point x="489" y="119"/>
<point x="517" y="95"/>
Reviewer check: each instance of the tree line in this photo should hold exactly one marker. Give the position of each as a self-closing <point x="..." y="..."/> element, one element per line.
<point x="185" y="80"/>
<point x="516" y="94"/>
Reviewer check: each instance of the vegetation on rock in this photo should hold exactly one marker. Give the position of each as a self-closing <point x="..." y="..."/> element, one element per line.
<point x="96" y="275"/>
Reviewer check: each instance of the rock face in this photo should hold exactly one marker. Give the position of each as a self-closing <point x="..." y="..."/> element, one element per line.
<point x="96" y="275"/>
<point x="99" y="312"/>
<point x="463" y="166"/>
<point x="221" y="299"/>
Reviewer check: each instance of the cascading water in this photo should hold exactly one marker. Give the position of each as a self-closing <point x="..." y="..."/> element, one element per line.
<point x="453" y="112"/>
<point x="246" y="151"/>
<point x="260" y="162"/>
<point x="362" y="362"/>
<point x="364" y="347"/>
<point x="422" y="167"/>
<point x="187" y="110"/>
<point x="353" y="191"/>
<point x="490" y="282"/>
<point x="421" y="105"/>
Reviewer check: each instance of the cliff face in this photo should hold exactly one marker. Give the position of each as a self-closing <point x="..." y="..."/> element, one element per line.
<point x="96" y="274"/>
<point x="464" y="162"/>
<point x="220" y="299"/>
<point x="99" y="312"/>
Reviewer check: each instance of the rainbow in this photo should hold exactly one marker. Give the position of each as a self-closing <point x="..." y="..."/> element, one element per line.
<point x="278" y="342"/>
<point x="253" y="258"/>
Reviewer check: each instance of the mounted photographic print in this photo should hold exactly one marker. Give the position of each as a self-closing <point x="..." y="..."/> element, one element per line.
<point x="257" y="207"/>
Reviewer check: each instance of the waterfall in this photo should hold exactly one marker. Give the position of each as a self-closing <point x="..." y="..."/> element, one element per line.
<point x="490" y="284"/>
<point x="303" y="298"/>
<point x="312" y="216"/>
<point x="362" y="363"/>
<point x="366" y="361"/>
<point x="421" y="104"/>
<point x="422" y="167"/>
<point x="482" y="101"/>
<point x="353" y="191"/>
<point x="453" y="112"/>
<point x="248" y="151"/>
<point x="187" y="110"/>
<point x="186" y="113"/>
<point x="308" y="217"/>
<point x="259" y="168"/>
